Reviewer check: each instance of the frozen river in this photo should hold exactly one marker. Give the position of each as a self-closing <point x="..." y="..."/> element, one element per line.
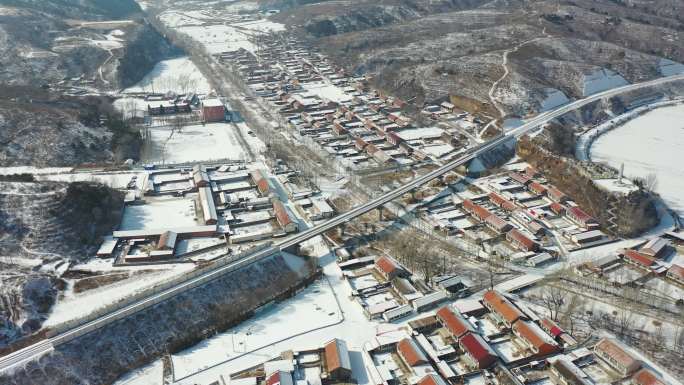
<point x="652" y="143"/>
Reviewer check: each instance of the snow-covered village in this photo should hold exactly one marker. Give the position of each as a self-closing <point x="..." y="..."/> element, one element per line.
<point x="243" y="192"/>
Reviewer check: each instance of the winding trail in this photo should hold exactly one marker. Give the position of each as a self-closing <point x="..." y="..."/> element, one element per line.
<point x="504" y="64"/>
<point x="99" y="70"/>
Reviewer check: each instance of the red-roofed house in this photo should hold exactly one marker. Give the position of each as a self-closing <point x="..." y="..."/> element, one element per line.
<point x="283" y="217"/>
<point x="497" y="224"/>
<point x="502" y="308"/>
<point x="469" y="205"/>
<point x="476" y="210"/>
<point x="477" y="351"/>
<point x="556" y="195"/>
<point x="520" y="241"/>
<point x="551" y="327"/>
<point x="432" y="379"/>
<point x="646" y="376"/>
<point x="540" y="343"/>
<point x="637" y="259"/>
<point x="454" y="321"/>
<point x="409" y="351"/>
<point x="394" y="139"/>
<point x="616" y="357"/>
<point x="580" y="217"/>
<point x="502" y="202"/>
<point x="337" y="362"/>
<point x="538" y="188"/>
<point x="557" y="208"/>
<point x="676" y="273"/>
<point x="520" y="178"/>
<point x="389" y="268"/>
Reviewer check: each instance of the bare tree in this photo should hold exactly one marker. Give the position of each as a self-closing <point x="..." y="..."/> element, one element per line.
<point x="553" y="299"/>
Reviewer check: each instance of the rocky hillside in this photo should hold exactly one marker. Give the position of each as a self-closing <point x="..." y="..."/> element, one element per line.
<point x="42" y="128"/>
<point x="455" y="49"/>
<point x="52" y="52"/>
<point x="43" y="227"/>
<point x="81" y="9"/>
<point x="76" y="45"/>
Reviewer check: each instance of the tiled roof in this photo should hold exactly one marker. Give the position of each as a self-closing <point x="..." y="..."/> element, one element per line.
<point x="677" y="271"/>
<point x="639" y="258"/>
<point x="337" y="355"/>
<point x="281" y="213"/>
<point x="496" y="222"/>
<point x="387" y="265"/>
<point x="551" y="327"/>
<point x="579" y="214"/>
<point x="432" y="379"/>
<point x="478" y="349"/>
<point x="502" y="306"/>
<point x="617" y="353"/>
<point x="520" y="178"/>
<point x="646" y="376"/>
<point x="520" y="238"/>
<point x="411" y="352"/>
<point x="537" y="187"/>
<point x="502" y="202"/>
<point x="557" y="208"/>
<point x="536" y="337"/>
<point x="454" y="321"/>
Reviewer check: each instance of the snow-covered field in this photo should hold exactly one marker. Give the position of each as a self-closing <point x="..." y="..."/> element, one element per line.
<point x="649" y="144"/>
<point x="158" y="214"/>
<point x="179" y="75"/>
<point x="196" y="143"/>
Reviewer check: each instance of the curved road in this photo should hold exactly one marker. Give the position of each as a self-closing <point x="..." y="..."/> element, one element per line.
<point x="47" y="345"/>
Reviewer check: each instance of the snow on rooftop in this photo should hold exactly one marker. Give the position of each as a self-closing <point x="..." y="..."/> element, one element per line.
<point x="420" y="133"/>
